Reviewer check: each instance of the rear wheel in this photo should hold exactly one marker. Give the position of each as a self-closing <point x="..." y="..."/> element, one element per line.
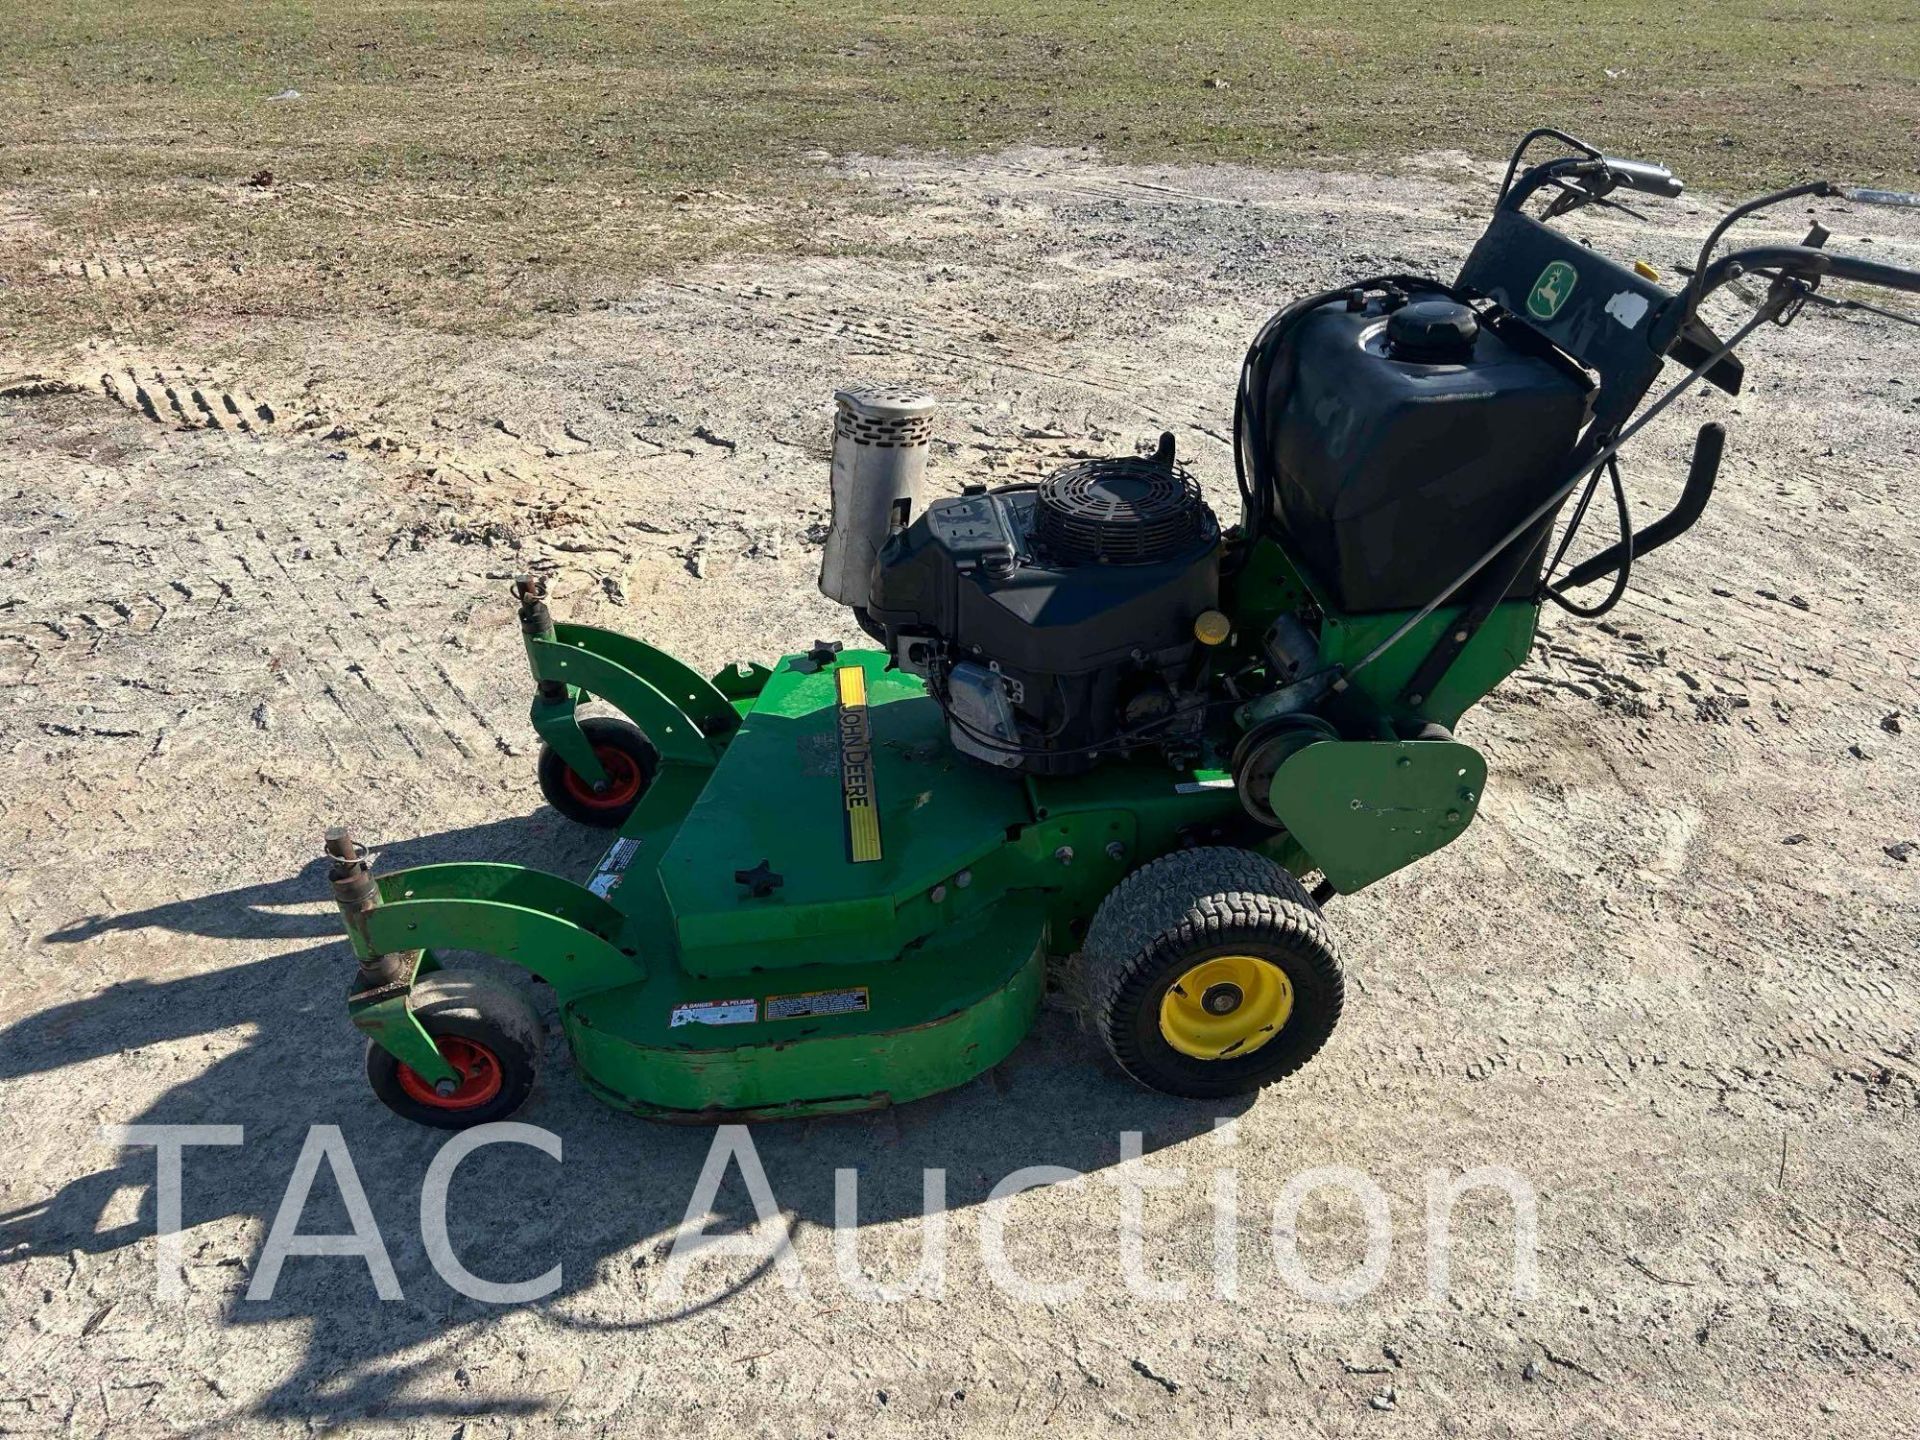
<point x="1210" y="972"/>
<point x="486" y="1032"/>
<point x="624" y="753"/>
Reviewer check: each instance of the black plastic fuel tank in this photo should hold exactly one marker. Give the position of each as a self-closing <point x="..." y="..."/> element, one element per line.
<point x="1407" y="438"/>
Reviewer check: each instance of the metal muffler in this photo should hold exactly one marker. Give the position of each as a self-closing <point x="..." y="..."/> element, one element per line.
<point x="880" y="435"/>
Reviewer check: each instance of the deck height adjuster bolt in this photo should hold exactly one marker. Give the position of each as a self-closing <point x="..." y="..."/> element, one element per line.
<point x="761" y="881"/>
<point x="819" y="657"/>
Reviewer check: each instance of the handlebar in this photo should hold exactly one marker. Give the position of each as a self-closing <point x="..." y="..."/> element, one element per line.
<point x="1589" y="179"/>
<point x="1808" y="263"/>
<point x="1644" y="176"/>
<point x="1586" y="176"/>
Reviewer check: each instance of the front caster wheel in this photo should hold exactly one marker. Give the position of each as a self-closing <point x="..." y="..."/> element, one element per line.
<point x="486" y="1032"/>
<point x="1210" y="973"/>
<point x="624" y="753"/>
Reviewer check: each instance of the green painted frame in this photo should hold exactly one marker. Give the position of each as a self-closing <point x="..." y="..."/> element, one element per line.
<point x="1366" y="808"/>
<point x="562" y="932"/>
<point x="1085" y="835"/>
<point x="1271" y="584"/>
<point x="385" y="1016"/>
<point x="686" y="717"/>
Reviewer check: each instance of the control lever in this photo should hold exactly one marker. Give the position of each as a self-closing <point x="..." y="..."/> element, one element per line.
<point x="1708" y="447"/>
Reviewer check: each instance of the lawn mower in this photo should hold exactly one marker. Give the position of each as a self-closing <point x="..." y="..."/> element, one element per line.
<point x="1100" y="742"/>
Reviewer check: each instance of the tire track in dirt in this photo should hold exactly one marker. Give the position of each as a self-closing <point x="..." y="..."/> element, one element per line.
<point x="1848" y="1023"/>
<point x="116" y="280"/>
<point x="187" y="399"/>
<point x="174" y="396"/>
<point x="920" y="341"/>
<point x="143" y="614"/>
<point x="478" y="716"/>
<point x="318" y="669"/>
<point x="135" y="270"/>
<point x="396" y="662"/>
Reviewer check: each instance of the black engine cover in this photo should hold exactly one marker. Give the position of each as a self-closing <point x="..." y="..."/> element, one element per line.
<point x="1405" y="442"/>
<point x="1079" y="597"/>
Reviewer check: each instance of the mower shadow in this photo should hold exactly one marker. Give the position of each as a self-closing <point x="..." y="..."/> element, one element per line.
<point x="299" y="906"/>
<point x="606" y="1213"/>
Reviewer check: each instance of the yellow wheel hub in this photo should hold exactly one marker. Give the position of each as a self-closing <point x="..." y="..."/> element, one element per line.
<point x="1226" y="1007"/>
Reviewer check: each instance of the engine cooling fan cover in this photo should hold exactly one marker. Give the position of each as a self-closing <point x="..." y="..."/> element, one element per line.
<point x="1121" y="511"/>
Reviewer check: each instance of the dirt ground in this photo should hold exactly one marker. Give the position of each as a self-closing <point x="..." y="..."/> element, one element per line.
<point x="257" y="582"/>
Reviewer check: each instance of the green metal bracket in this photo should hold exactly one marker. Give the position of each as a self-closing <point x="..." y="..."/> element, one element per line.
<point x="675" y="732"/>
<point x="558" y="727"/>
<point x="561" y="931"/>
<point x="1365" y="808"/>
<point x="1266" y="586"/>
<point x="386" y="1017"/>
<point x="699" y="700"/>
<point x="742" y="682"/>
<point x="1493" y="652"/>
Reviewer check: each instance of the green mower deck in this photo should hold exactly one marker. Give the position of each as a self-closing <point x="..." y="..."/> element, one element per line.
<point x="818" y="905"/>
<point x="823" y="983"/>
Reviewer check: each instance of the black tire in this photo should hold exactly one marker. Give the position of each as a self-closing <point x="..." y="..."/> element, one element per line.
<point x="468" y="1016"/>
<point x="630" y="760"/>
<point x="1189" y="907"/>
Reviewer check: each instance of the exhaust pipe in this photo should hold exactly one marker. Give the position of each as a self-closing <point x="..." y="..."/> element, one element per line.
<point x="880" y="435"/>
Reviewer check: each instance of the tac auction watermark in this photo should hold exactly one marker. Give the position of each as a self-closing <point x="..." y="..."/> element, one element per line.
<point x="769" y="1241"/>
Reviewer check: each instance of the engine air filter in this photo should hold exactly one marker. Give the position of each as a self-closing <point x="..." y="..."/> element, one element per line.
<point x="1122" y="511"/>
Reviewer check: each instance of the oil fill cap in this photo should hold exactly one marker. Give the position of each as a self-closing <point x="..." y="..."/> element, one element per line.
<point x="1432" y="332"/>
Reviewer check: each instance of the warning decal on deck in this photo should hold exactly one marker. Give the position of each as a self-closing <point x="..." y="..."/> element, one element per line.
<point x="613" y="867"/>
<point x="817" y="1002"/>
<point x="856" y="766"/>
<point x="714" y="1012"/>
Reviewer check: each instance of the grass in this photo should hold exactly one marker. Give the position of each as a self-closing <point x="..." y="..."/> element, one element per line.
<point x="469" y="160"/>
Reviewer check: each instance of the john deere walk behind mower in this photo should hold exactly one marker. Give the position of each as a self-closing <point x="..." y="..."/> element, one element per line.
<point x="1098" y="735"/>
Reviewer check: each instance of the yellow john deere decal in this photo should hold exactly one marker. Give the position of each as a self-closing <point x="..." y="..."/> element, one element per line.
<point x="856" y="766"/>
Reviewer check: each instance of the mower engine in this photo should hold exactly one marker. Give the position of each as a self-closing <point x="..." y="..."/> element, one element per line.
<point x="1053" y="622"/>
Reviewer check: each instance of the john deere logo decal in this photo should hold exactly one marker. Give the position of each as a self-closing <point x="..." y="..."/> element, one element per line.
<point x="1551" y="290"/>
<point x="856" y="766"/>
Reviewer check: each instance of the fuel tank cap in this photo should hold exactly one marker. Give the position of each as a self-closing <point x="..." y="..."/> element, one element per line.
<point x="1432" y="332"/>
